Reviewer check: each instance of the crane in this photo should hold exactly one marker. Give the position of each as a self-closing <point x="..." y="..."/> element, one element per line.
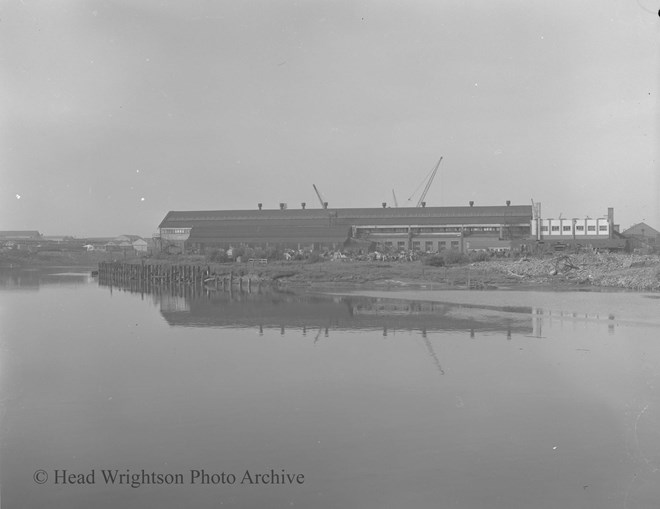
<point x="428" y="183"/>
<point x="324" y="203"/>
<point x="428" y="180"/>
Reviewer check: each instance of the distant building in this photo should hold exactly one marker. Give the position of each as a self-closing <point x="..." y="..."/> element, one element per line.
<point x="643" y="235"/>
<point x="140" y="245"/>
<point x="19" y="235"/>
<point x="131" y="242"/>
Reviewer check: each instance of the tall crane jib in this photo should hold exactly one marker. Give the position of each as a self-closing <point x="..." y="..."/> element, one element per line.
<point x="324" y="204"/>
<point x="428" y="184"/>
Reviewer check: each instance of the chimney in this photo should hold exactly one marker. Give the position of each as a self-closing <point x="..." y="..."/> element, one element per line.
<point x="259" y="205"/>
<point x="610" y="220"/>
<point x="423" y="204"/>
<point x="508" y="203"/>
<point x="471" y="203"/>
<point x="303" y="205"/>
<point x="384" y="204"/>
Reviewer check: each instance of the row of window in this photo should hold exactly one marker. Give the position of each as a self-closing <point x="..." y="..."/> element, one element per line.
<point x="578" y="227"/>
<point x="174" y="230"/>
<point x="428" y="245"/>
<point x="434" y="229"/>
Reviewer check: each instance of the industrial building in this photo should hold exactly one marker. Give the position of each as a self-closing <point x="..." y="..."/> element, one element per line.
<point x="410" y="228"/>
<point x="596" y="233"/>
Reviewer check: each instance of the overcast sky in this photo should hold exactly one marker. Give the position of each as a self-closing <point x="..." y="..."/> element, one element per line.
<point x="114" y="112"/>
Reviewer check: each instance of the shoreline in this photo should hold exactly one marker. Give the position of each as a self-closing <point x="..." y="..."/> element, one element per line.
<point x="576" y="272"/>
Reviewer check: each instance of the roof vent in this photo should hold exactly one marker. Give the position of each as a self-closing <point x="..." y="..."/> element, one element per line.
<point x="508" y="203"/>
<point x="471" y="203"/>
<point x="423" y="204"/>
<point x="282" y="206"/>
<point x="303" y="205"/>
<point x="260" y="205"/>
<point x="384" y="204"/>
<point x="325" y="204"/>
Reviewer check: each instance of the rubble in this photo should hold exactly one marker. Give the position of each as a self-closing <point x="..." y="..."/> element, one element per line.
<point x="633" y="271"/>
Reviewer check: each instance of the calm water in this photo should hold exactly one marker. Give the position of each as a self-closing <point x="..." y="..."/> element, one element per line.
<point x="477" y="400"/>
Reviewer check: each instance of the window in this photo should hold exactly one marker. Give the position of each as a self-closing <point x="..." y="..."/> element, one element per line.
<point x="579" y="228"/>
<point x="555" y="228"/>
<point x="602" y="228"/>
<point x="441" y="244"/>
<point x="416" y="244"/>
<point x="428" y="245"/>
<point x="401" y="244"/>
<point x="544" y="228"/>
<point x="454" y="244"/>
<point x="591" y="228"/>
<point x="567" y="228"/>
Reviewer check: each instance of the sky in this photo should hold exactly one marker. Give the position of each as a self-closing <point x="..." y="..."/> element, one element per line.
<point x="114" y="112"/>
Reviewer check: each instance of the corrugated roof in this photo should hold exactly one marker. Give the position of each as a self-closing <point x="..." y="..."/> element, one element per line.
<point x="351" y="216"/>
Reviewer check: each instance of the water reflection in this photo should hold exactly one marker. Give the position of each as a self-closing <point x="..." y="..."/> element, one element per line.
<point x="548" y="318"/>
<point x="289" y="312"/>
<point x="188" y="306"/>
<point x="185" y="305"/>
<point x="33" y="279"/>
<point x="431" y="404"/>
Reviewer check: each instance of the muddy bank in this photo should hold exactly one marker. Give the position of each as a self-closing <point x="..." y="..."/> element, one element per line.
<point x="595" y="270"/>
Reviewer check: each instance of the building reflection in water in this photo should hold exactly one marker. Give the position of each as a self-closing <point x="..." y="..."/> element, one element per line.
<point x="186" y="306"/>
<point x="544" y="318"/>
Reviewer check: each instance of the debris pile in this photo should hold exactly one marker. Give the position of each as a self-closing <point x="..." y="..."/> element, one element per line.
<point x="638" y="272"/>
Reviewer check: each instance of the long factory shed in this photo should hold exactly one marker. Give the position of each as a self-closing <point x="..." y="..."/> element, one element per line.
<point x="423" y="228"/>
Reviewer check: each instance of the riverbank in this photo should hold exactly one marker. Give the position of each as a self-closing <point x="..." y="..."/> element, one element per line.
<point x="83" y="259"/>
<point x="602" y="270"/>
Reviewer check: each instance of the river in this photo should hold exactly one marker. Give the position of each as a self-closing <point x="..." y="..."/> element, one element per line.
<point x="205" y="399"/>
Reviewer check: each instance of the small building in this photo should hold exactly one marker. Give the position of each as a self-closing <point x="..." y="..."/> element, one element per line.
<point x="642" y="235"/>
<point x="131" y="243"/>
<point x="140" y="245"/>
